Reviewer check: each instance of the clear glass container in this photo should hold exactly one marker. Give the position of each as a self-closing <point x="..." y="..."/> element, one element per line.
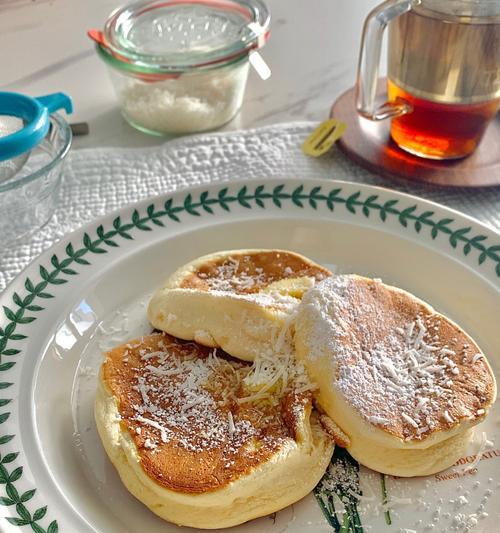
<point x="191" y="102"/>
<point x="28" y="199"/>
<point x="181" y="66"/>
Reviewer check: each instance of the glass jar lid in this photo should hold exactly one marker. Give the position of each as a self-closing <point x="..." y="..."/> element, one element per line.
<point x="177" y="35"/>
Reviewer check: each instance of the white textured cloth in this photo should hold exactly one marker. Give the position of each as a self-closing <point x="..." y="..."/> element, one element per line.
<point x="97" y="181"/>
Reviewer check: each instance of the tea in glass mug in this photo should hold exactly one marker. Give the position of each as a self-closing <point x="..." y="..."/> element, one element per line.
<point x="443" y="73"/>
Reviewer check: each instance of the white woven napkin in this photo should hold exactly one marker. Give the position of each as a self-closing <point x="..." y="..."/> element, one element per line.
<point x="97" y="181"/>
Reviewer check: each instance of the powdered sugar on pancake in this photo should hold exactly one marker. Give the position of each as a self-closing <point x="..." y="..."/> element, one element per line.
<point x="229" y="277"/>
<point x="403" y="367"/>
<point x="175" y="402"/>
<point x="246" y="273"/>
<point x="199" y="399"/>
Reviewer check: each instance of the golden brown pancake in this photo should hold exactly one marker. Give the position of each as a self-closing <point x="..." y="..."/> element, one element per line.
<point x="391" y="370"/>
<point x="250" y="271"/>
<point x="236" y="300"/>
<point x="196" y="431"/>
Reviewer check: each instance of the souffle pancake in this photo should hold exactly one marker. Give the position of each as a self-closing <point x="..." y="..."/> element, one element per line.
<point x="205" y="440"/>
<point x="236" y="300"/>
<point x="403" y="382"/>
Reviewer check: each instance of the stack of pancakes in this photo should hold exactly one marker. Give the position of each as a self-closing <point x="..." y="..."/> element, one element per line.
<point x="210" y="422"/>
<point x="261" y="361"/>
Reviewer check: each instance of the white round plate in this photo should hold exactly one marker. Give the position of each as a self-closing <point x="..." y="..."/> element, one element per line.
<point x="89" y="292"/>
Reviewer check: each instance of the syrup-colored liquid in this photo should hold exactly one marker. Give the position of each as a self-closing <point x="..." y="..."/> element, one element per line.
<point x="440" y="131"/>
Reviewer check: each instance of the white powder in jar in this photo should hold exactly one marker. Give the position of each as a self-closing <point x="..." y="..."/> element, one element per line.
<point x="195" y="101"/>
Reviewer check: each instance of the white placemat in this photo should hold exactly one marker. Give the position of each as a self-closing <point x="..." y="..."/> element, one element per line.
<point x="97" y="181"/>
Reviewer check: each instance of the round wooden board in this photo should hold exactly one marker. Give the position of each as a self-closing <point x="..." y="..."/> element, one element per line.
<point x="370" y="145"/>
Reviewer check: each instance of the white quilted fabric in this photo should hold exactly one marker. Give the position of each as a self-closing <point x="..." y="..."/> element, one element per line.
<point x="98" y="181"/>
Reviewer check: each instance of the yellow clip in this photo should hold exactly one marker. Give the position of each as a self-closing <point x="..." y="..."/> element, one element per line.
<point x="324" y="137"/>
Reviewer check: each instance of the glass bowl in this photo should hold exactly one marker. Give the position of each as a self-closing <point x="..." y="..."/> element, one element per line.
<point x="28" y="199"/>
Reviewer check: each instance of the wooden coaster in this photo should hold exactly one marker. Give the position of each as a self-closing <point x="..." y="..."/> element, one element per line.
<point x="370" y="145"/>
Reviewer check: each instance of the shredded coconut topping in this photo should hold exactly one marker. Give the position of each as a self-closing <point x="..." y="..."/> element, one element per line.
<point x="229" y="277"/>
<point x="174" y="401"/>
<point x="249" y="273"/>
<point x="388" y="364"/>
<point x="476" y="357"/>
<point x="192" y="397"/>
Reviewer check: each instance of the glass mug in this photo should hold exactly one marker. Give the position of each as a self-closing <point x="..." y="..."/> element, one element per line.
<point x="443" y="73"/>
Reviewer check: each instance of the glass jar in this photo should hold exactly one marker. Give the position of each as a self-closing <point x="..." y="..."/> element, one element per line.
<point x="181" y="66"/>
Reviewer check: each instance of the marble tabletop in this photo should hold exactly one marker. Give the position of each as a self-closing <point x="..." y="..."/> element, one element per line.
<point x="312" y="53"/>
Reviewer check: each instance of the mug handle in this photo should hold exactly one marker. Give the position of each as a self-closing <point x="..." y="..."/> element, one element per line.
<point x="369" y="60"/>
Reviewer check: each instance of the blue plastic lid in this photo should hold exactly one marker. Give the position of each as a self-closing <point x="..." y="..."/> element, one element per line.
<point x="35" y="113"/>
